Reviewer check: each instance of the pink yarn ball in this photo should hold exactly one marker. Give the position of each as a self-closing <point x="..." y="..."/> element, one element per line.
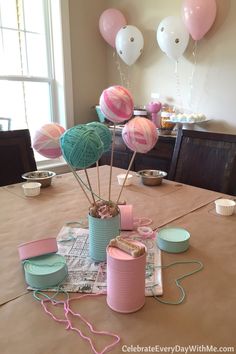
<point x="140" y="134"/>
<point x="116" y="103"/>
<point x="46" y="140"/>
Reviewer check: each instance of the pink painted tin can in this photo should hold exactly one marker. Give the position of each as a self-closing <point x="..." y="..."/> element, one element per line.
<point x="125" y="280"/>
<point x="37" y="248"/>
<point x="126" y="217"/>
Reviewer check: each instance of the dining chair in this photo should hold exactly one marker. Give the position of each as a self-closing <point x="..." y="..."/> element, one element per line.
<point x="16" y="156"/>
<point x="206" y="160"/>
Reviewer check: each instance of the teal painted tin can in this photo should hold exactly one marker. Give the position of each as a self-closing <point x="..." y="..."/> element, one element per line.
<point x="173" y="239"/>
<point x="45" y="271"/>
<point x="101" y="231"/>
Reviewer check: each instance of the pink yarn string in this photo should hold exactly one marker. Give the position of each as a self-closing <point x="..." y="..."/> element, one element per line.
<point x="69" y="326"/>
<point x="142" y="229"/>
<point x="142" y="222"/>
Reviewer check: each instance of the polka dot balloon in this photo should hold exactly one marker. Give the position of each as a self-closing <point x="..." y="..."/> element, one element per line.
<point x="140" y="135"/>
<point x="116" y="103"/>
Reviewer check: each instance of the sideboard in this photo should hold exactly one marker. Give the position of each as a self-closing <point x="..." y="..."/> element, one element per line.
<point x="158" y="158"/>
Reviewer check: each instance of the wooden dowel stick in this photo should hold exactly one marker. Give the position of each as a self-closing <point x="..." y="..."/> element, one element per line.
<point x="111" y="163"/>
<point x="98" y="178"/>
<point x="130" y="164"/>
<point x="78" y="180"/>
<point x="86" y="173"/>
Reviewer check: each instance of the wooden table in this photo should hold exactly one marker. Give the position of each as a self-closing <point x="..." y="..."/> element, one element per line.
<point x="207" y="316"/>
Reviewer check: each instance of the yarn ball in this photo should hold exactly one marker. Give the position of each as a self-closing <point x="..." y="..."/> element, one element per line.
<point x="140" y="134"/>
<point x="104" y="133"/>
<point x="116" y="103"/>
<point x="46" y="140"/>
<point x="81" y="146"/>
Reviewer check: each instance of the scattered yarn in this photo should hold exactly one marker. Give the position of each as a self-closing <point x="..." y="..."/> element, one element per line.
<point x="146" y="232"/>
<point x="104" y="133"/>
<point x="140" y="135"/>
<point x="81" y="146"/>
<point x="71" y="225"/>
<point x="68" y="312"/>
<point x="142" y="222"/>
<point x="46" y="140"/>
<point x="177" y="281"/>
<point x="116" y="103"/>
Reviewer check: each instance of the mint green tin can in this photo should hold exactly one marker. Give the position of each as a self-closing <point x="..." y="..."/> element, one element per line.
<point x="173" y="239"/>
<point x="101" y="231"/>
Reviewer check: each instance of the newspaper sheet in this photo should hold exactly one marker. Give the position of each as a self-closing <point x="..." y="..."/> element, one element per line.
<point x="88" y="276"/>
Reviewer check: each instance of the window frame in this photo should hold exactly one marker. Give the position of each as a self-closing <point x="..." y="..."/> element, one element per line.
<point x="59" y="70"/>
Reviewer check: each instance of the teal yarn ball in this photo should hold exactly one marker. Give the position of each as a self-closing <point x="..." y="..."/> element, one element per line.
<point x="104" y="132"/>
<point x="81" y="146"/>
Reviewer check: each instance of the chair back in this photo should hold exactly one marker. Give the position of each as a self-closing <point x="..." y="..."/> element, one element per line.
<point x="16" y="156"/>
<point x="206" y="160"/>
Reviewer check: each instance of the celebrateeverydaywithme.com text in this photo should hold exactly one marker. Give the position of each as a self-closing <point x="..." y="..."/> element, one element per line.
<point x="177" y="349"/>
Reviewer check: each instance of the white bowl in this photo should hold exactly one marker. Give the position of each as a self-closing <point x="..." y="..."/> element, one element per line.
<point x="225" y="206"/>
<point x="31" y="189"/>
<point x="121" y="179"/>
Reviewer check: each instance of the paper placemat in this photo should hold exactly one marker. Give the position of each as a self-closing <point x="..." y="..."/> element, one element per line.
<point x="88" y="276"/>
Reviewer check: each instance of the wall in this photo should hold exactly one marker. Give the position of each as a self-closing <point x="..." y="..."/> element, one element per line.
<point x="88" y="55"/>
<point x="213" y="77"/>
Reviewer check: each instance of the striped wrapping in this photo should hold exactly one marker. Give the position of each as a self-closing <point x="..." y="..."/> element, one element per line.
<point x="116" y="103"/>
<point x="46" y="140"/>
<point x="140" y="135"/>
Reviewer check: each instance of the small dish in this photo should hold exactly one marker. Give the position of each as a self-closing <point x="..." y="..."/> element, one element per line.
<point x="173" y="239"/>
<point x="43" y="177"/>
<point x="151" y="177"/>
<point x="225" y="206"/>
<point x="121" y="179"/>
<point x="45" y="271"/>
<point x="31" y="189"/>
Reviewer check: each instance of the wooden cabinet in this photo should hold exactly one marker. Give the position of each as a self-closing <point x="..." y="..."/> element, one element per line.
<point x="158" y="158"/>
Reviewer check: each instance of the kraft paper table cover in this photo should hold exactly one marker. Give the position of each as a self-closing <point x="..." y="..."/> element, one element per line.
<point x="206" y="317"/>
<point x="24" y="219"/>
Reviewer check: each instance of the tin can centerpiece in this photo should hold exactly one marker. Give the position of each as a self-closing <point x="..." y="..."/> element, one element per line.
<point x="104" y="225"/>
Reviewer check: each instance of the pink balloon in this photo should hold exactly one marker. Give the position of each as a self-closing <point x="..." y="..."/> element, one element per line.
<point x="198" y="16"/>
<point x="110" y="22"/>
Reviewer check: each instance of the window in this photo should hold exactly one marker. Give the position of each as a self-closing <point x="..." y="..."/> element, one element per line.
<point x="34" y="87"/>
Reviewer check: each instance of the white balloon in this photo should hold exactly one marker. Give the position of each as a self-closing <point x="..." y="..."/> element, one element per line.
<point x="129" y="44"/>
<point x="172" y="37"/>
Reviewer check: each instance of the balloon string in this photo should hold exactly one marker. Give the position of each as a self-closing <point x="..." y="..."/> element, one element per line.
<point x="123" y="80"/>
<point x="118" y="68"/>
<point x="191" y="79"/>
<point x="128" y="78"/>
<point x="177" y="81"/>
